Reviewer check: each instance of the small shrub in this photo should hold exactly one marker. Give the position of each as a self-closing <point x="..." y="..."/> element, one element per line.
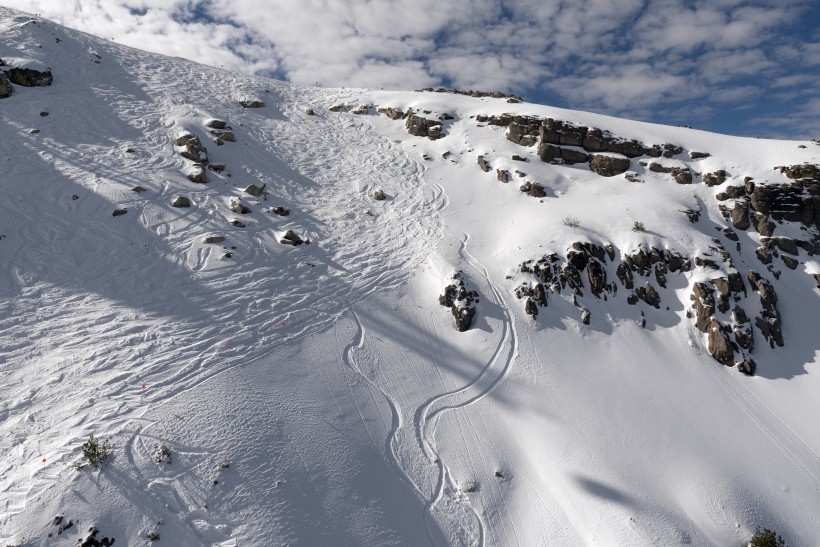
<point x="638" y="226"/>
<point x="152" y="536"/>
<point x="96" y="450"/>
<point x="572" y="222"/>
<point x="162" y="454"/>
<point x="766" y="538"/>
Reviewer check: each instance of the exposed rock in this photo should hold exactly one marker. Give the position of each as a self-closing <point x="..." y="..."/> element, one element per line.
<point x="423" y="127"/>
<point x="516" y="157"/>
<point x="558" y="155"/>
<point x="795" y="202"/>
<point x="763" y="225"/>
<point x="309" y="111"/>
<point x="747" y="366"/>
<point x="183" y="138"/>
<point x="764" y="255"/>
<point x="181" y="202"/>
<point x="503" y="175"/>
<point x="699" y="155"/>
<point x="803" y="171"/>
<point x="215" y="124"/>
<point x="531" y="308"/>
<point x="238" y="223"/>
<point x="6" y="89"/>
<point x="251" y="103"/>
<point x="216" y="167"/>
<point x="597" y="276"/>
<point x="196" y="173"/>
<point x="461" y="302"/>
<point x="363" y="109"/>
<point x="735" y="192"/>
<point x="237" y="207"/>
<point x="682" y="175"/>
<point x="769" y="319"/>
<point x="214" y="239"/>
<point x="703" y="304"/>
<point x="281" y="211"/>
<point x="194" y="150"/>
<point x="138" y="189"/>
<point x="586" y="315"/>
<point x="75" y="197"/>
<point x="483" y="164"/>
<point x="740" y="215"/>
<point x="648" y="294"/>
<point x="291" y="238"/>
<point x="608" y="166"/>
<point x="785" y="244"/>
<point x="714" y="179"/>
<point x="119" y="212"/>
<point x="742" y="329"/>
<point x="379" y="195"/>
<point x="28" y="73"/>
<point x="227" y="136"/>
<point x="718" y="344"/>
<point x="255" y="190"/>
<point x="730" y="234"/>
<point x="624" y="274"/>
<point x="790" y="262"/>
<point x="392" y="113"/>
<point x="523" y="130"/>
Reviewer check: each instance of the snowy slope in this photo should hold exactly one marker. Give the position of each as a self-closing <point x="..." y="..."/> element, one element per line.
<point x="327" y="374"/>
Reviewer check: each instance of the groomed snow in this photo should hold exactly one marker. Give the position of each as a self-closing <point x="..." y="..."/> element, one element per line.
<point x="327" y="374"/>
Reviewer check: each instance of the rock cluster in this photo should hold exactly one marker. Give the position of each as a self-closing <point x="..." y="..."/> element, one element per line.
<point x="291" y="238"/>
<point x="423" y="127"/>
<point x="461" y="302"/>
<point x="492" y="94"/>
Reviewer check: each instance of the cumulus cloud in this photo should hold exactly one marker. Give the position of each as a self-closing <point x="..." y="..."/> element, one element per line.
<point x="638" y="58"/>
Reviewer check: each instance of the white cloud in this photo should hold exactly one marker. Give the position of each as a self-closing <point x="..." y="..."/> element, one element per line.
<point x="629" y="57"/>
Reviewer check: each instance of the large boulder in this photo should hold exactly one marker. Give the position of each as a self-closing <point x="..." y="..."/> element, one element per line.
<point x="719" y="345"/>
<point x="740" y="215"/>
<point x="608" y="166"/>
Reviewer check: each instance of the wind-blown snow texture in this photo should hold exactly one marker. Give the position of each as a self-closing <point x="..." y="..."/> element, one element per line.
<point x="327" y="374"/>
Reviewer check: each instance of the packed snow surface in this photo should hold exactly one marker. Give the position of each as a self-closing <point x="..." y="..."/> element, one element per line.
<point x="318" y="394"/>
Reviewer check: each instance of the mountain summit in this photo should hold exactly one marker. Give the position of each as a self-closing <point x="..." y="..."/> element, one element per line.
<point x="234" y="311"/>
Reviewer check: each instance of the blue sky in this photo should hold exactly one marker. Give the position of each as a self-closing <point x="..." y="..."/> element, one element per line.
<point x="745" y="67"/>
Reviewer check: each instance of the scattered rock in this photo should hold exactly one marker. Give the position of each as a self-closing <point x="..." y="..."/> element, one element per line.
<point x="119" y="212"/>
<point x="503" y="175"/>
<point x="699" y="155"/>
<point x="138" y="189"/>
<point x="423" y="127"/>
<point x="764" y="255"/>
<point x="216" y="167"/>
<point x="586" y="316"/>
<point x="214" y="239"/>
<point x="648" y="294"/>
<point x="181" y="202"/>
<point x="216" y="124"/>
<point x="533" y="189"/>
<point x="291" y="238"/>
<point x="483" y="164"/>
<point x="74" y="197"/>
<point x="461" y="302"/>
<point x="363" y="109"/>
<point x="379" y="195"/>
<point x="239" y="208"/>
<point x="255" y="190"/>
<point x="310" y="112"/>
<point x="193" y="149"/>
<point x="281" y="211"/>
<point x="251" y="103"/>
<point x="238" y="223"/>
<point x="714" y="179"/>
<point x="196" y="173"/>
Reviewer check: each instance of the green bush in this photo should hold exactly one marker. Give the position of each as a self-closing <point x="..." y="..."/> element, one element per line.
<point x="766" y="538"/>
<point x="638" y="226"/>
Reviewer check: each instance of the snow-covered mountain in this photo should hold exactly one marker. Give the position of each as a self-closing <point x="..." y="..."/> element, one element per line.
<point x="309" y="316"/>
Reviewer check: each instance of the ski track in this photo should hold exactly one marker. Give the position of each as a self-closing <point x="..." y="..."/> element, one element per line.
<point x="107" y="349"/>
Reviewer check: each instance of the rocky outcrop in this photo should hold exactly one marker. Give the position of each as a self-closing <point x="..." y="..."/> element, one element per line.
<point x="740" y="215"/>
<point x="392" y="113"/>
<point x="192" y="148"/>
<point x="802" y="171"/>
<point x="461" y="302"/>
<point x="648" y="294"/>
<point x="795" y="202"/>
<point x="27" y="72"/>
<point x="769" y="319"/>
<point x="608" y="166"/>
<point x="682" y="175"/>
<point x="703" y="302"/>
<point x="523" y="130"/>
<point x="423" y="127"/>
<point x="558" y="155"/>
<point x="718" y="344"/>
<point x="471" y="93"/>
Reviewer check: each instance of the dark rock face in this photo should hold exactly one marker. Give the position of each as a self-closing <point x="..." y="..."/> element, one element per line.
<point x="482" y="163"/>
<point x="181" y="202"/>
<point x="608" y="166"/>
<point x="718" y="344"/>
<point x="6" y="89"/>
<point x="704" y="305"/>
<point x="682" y="175"/>
<point x="795" y="202"/>
<point x="740" y="215"/>
<point x="214" y="239"/>
<point x="119" y="212"/>
<point x="557" y="155"/>
<point x="461" y="302"/>
<point x="769" y="319"/>
<point x="789" y="262"/>
<point x="586" y="316"/>
<point x="648" y="294"/>
<point x="742" y="329"/>
<point x="747" y="367"/>
<point x="27" y="76"/>
<point x="764" y="255"/>
<point x="423" y="127"/>
<point x="531" y="308"/>
<point x="763" y="225"/>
